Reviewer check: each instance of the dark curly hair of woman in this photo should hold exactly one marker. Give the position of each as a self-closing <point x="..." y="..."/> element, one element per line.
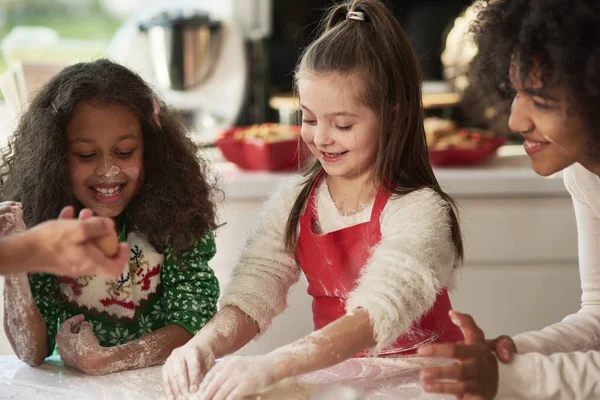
<point x="174" y="206"/>
<point x="557" y="39"/>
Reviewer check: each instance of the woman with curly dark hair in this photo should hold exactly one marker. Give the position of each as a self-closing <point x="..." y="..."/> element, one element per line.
<point x="97" y="137"/>
<point x="545" y="57"/>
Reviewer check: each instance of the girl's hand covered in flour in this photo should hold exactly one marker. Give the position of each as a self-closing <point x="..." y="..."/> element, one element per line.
<point x="79" y="347"/>
<point x="186" y="366"/>
<point x="237" y="377"/>
<point x="11" y="218"/>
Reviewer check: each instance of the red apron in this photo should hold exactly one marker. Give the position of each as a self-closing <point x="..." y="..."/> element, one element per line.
<point x="333" y="263"/>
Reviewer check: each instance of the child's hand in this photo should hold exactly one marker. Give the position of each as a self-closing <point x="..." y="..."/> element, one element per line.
<point x="79" y="347"/>
<point x="186" y="366"/>
<point x="237" y="377"/>
<point x="11" y="218"/>
<point x="475" y="374"/>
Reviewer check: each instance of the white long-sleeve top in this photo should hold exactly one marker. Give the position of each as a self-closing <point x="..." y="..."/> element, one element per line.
<point x="414" y="260"/>
<point x="562" y="361"/>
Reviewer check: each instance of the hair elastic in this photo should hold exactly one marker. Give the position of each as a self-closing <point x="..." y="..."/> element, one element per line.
<point x="356" y="15"/>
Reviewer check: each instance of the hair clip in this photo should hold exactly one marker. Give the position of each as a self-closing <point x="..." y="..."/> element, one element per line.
<point x="356" y="15"/>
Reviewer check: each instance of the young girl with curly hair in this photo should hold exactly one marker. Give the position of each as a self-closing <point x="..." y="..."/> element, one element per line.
<point x="544" y="57"/>
<point x="97" y="137"/>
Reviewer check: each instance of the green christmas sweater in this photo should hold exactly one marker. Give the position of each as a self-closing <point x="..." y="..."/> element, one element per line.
<point x="154" y="290"/>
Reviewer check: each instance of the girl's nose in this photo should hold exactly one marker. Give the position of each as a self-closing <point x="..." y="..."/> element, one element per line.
<point x="107" y="168"/>
<point x="322" y="136"/>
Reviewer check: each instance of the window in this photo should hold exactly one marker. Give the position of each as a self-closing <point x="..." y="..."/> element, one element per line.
<point x="78" y="29"/>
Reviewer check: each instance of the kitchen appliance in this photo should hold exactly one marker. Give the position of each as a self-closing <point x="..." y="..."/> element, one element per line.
<point x="204" y="57"/>
<point x="184" y="48"/>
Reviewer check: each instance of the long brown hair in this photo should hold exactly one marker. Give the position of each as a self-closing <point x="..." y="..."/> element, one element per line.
<point x="174" y="207"/>
<point x="378" y="50"/>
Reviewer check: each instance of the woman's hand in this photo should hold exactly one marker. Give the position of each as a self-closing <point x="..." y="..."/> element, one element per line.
<point x="237" y="377"/>
<point x="79" y="347"/>
<point x="67" y="246"/>
<point x="186" y="366"/>
<point x="11" y="218"/>
<point x="475" y="374"/>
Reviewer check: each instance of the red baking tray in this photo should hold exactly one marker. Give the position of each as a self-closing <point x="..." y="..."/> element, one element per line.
<point x="465" y="157"/>
<point x="258" y="154"/>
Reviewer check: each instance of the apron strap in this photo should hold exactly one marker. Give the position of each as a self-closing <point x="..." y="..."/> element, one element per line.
<point x="380" y="201"/>
<point x="310" y="208"/>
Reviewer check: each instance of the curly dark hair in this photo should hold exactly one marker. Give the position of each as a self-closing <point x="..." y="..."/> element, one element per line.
<point x="559" y="39"/>
<point x="174" y="206"/>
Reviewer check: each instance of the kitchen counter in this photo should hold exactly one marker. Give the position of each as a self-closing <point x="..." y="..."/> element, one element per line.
<point x="351" y="380"/>
<point x="507" y="174"/>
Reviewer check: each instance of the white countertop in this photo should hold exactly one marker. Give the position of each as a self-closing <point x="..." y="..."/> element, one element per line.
<point x="365" y="378"/>
<point x="508" y="174"/>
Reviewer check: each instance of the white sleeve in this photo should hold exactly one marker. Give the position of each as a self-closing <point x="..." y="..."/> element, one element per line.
<point x="579" y="331"/>
<point x="555" y="377"/>
<point x="412" y="263"/>
<point x="265" y="272"/>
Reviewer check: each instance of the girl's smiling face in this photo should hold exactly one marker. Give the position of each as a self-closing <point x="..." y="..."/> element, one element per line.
<point x="338" y="128"/>
<point x="105" y="154"/>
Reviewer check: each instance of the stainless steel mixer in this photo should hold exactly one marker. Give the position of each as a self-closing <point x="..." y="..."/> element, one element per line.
<point x="184" y="48"/>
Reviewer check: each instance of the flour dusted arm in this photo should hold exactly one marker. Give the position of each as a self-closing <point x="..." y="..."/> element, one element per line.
<point x="265" y="272"/>
<point x="189" y="298"/>
<point x="256" y="293"/>
<point x="412" y="263"/>
<point x="30" y="330"/>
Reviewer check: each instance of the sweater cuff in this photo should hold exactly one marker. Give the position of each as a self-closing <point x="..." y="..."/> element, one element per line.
<point x="249" y="306"/>
<point x="517" y="380"/>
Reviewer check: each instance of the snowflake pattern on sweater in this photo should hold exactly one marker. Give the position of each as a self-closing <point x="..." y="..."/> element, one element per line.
<point x="154" y="290"/>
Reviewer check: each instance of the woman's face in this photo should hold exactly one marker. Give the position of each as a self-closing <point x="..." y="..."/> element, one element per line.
<point x="105" y="153"/>
<point x="554" y="136"/>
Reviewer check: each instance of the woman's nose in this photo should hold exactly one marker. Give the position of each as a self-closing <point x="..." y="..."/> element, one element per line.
<point x="520" y="116"/>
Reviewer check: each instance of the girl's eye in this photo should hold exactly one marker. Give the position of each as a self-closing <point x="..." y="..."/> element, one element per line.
<point x="124" y="154"/>
<point x="309" y="122"/>
<point x="344" y="128"/>
<point x="86" y="156"/>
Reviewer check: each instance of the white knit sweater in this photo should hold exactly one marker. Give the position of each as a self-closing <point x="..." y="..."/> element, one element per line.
<point x="412" y="263"/>
<point x="573" y="371"/>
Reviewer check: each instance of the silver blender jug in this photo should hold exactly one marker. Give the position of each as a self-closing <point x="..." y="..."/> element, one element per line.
<point x="184" y="48"/>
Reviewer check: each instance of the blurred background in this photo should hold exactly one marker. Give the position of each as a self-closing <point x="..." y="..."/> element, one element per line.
<point x="272" y="32"/>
